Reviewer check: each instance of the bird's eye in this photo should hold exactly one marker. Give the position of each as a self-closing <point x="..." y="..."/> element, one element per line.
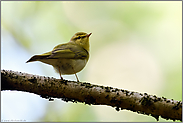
<point x="78" y="37"/>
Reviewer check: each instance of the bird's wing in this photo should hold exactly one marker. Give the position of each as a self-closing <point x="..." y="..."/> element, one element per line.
<point x="68" y="51"/>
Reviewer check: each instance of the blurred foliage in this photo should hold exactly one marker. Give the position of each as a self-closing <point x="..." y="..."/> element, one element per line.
<point x="69" y="113"/>
<point x="134" y="45"/>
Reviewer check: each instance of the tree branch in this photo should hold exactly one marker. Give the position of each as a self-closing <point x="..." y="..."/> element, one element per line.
<point x="88" y="93"/>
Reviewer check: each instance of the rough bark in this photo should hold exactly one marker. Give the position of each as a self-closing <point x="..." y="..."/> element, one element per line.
<point x="88" y="93"/>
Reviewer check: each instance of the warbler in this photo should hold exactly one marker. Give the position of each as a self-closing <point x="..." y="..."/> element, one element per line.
<point x="68" y="58"/>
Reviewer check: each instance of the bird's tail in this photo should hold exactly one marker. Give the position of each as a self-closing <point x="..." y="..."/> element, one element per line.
<point x="37" y="58"/>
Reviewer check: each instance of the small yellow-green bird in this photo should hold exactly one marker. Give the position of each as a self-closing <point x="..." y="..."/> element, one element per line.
<point x="68" y="58"/>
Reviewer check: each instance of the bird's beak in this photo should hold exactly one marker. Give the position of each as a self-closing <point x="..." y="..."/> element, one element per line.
<point x="88" y="34"/>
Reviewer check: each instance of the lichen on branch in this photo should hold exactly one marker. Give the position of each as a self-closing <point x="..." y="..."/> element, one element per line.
<point x="91" y="94"/>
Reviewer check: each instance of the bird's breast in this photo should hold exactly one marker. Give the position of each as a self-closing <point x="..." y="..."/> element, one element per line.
<point x="70" y="66"/>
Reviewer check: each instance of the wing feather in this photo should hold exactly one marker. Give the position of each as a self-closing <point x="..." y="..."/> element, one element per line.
<point x="68" y="51"/>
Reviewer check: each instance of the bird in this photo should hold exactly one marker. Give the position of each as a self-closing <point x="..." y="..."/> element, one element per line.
<point x="68" y="58"/>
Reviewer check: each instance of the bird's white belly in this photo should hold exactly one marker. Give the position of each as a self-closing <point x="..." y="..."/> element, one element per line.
<point x="70" y="66"/>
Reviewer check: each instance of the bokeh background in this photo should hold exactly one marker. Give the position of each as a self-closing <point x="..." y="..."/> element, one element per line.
<point x="134" y="45"/>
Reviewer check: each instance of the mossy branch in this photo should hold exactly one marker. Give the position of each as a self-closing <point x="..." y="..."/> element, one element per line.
<point x="88" y="93"/>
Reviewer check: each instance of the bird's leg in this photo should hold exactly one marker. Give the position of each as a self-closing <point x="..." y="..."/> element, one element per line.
<point x="60" y="73"/>
<point x="75" y="75"/>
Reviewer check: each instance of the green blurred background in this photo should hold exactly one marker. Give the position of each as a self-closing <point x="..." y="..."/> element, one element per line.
<point x="134" y="45"/>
